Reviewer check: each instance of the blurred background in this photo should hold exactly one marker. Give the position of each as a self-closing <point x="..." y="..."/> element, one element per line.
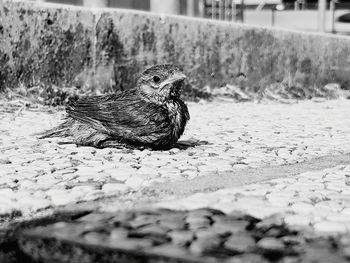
<point x="331" y="16"/>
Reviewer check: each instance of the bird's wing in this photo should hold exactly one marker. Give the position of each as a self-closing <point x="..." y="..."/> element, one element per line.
<point x="121" y="115"/>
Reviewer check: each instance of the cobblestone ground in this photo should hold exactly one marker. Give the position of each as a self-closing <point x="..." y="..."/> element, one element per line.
<point x="196" y="236"/>
<point x="222" y="137"/>
<point x="319" y="199"/>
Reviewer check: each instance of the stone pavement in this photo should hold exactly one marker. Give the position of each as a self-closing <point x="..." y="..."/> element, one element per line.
<point x="318" y="200"/>
<point x="161" y="235"/>
<point x="222" y="138"/>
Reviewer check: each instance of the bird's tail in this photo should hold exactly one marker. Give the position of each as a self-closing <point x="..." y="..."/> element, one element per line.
<point x="61" y="130"/>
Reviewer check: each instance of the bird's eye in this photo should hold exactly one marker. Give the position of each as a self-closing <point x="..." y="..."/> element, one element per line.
<point x="156" y="79"/>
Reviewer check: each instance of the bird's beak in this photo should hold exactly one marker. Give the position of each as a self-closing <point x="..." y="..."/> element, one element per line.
<point x="173" y="78"/>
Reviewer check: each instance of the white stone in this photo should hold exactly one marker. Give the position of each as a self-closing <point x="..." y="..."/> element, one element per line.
<point x="305" y="186"/>
<point x="40" y="194"/>
<point x="226" y="207"/>
<point x="134" y="182"/>
<point x="121" y="173"/>
<point x="282" y="201"/>
<point x="312" y="175"/>
<point x="208" y="168"/>
<point x="60" y="196"/>
<point x="262" y="212"/>
<point x="60" y="166"/>
<point x="82" y="189"/>
<point x="27" y="184"/>
<point x="83" y="170"/>
<point x="252" y="200"/>
<point x="301" y="208"/>
<point x="337" y="186"/>
<point x="338" y="217"/>
<point x="93" y="195"/>
<point x="259" y="191"/>
<point x="115" y="188"/>
<point x="224" y="168"/>
<point x="6" y="193"/>
<point x="310" y="195"/>
<point x="189" y="174"/>
<point x="332" y="228"/>
<point x="33" y="203"/>
<point x="7" y="208"/>
<point x="68" y="175"/>
<point x="346" y="212"/>
<point x="158" y="180"/>
<point x="297" y="220"/>
<point x="27" y="173"/>
<point x="147" y="169"/>
<point x="331" y="205"/>
<point x="280" y="193"/>
<point x="174" y="151"/>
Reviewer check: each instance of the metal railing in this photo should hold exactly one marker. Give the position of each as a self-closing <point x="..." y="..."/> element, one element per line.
<point x="233" y="10"/>
<point x="227" y="10"/>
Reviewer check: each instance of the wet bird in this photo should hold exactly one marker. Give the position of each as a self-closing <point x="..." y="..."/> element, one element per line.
<point x="150" y="115"/>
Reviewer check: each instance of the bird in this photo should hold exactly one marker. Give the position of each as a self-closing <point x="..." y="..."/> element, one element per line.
<point x="149" y="115"/>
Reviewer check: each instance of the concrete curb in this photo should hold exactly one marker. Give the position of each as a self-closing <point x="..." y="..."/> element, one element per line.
<point x="63" y="46"/>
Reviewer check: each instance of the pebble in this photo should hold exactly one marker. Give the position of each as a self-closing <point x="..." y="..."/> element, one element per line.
<point x="208" y="169"/>
<point x="346" y="212"/>
<point x="153" y="230"/>
<point x="290" y="259"/>
<point x="94" y="238"/>
<point x="6" y="193"/>
<point x="173" y="222"/>
<point x="346" y="252"/>
<point x="271" y="247"/>
<point x="328" y="227"/>
<point x="207" y="233"/>
<point x="297" y="220"/>
<point x="332" y="205"/>
<point x="240" y="243"/>
<point x="204" y="246"/>
<point x="33" y="204"/>
<point x="181" y="237"/>
<point x="135" y="182"/>
<point x="302" y="207"/>
<point x="232" y="226"/>
<point x="171" y="250"/>
<point x="251" y="258"/>
<point x="121" y="174"/>
<point x="115" y="188"/>
<point x="147" y="169"/>
<point x="338" y="217"/>
<point x="7" y="208"/>
<point x="189" y="174"/>
<point x="60" y="197"/>
<point x="134" y="244"/>
<point x="118" y="235"/>
<point x="196" y="222"/>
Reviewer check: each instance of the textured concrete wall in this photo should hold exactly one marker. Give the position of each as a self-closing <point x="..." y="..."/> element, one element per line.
<point x="40" y="45"/>
<point x="61" y="46"/>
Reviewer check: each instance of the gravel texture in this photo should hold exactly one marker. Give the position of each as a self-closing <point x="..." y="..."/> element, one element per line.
<point x="300" y="216"/>
<point x="318" y="199"/>
<point x="221" y="137"/>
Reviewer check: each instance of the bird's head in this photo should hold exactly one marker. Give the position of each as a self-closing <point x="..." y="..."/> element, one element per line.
<point x="161" y="82"/>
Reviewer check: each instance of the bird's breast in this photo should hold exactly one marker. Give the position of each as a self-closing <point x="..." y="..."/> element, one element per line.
<point x="177" y="117"/>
